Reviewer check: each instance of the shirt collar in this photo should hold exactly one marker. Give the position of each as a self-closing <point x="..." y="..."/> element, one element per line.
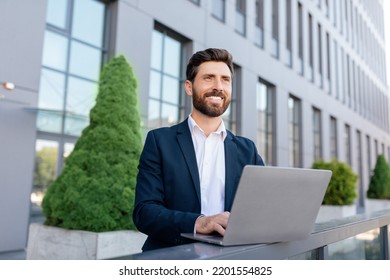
<point x="221" y="129"/>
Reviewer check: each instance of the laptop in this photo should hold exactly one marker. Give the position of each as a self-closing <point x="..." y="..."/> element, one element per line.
<point x="272" y="204"/>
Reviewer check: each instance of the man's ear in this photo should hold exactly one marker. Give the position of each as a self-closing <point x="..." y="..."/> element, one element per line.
<point x="188" y="87"/>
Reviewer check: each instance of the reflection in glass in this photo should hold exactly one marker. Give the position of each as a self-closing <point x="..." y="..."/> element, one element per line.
<point x="74" y="124"/>
<point x="164" y="81"/>
<point x="51" y="90"/>
<point x="240" y="23"/>
<point x="169" y="114"/>
<point x="68" y="149"/>
<point x="218" y="9"/>
<point x="56" y="13"/>
<point x="55" y="51"/>
<point x="49" y="121"/>
<point x="294" y="107"/>
<point x="81" y="96"/>
<point x="157" y="47"/>
<point x="171" y="90"/>
<point x="85" y="61"/>
<point x="265" y="129"/>
<point x="259" y="37"/>
<point x="154" y="113"/>
<point x="365" y="246"/>
<point x="88" y="28"/>
<point x="45" y="171"/>
<point x="154" y="84"/>
<point x="172" y="56"/>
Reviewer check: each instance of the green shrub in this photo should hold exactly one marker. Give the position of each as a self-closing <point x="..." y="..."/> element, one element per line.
<point x="95" y="190"/>
<point x="341" y="188"/>
<point x="379" y="186"/>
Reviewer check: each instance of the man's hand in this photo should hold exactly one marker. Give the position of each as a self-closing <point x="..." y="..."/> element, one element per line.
<point x="209" y="224"/>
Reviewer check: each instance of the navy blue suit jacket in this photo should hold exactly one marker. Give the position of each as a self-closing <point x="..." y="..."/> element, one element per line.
<point x="167" y="198"/>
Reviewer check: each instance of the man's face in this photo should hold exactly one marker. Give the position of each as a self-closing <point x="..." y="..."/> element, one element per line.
<point x="211" y="89"/>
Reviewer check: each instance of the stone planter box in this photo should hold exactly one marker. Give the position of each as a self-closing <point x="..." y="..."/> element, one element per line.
<point x="372" y="205"/>
<point x="53" y="243"/>
<point x="330" y="212"/>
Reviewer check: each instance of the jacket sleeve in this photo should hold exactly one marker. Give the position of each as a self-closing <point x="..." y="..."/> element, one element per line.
<point x="152" y="215"/>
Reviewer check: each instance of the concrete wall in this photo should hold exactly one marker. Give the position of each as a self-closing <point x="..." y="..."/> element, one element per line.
<point x="22" y="26"/>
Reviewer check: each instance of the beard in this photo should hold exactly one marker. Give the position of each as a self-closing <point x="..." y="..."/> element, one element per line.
<point x="200" y="103"/>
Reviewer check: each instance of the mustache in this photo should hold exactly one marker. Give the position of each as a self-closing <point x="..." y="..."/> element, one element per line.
<point x="217" y="93"/>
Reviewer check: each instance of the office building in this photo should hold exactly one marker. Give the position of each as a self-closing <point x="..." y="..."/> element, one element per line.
<point x="310" y="81"/>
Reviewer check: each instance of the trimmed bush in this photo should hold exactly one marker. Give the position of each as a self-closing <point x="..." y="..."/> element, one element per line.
<point x="341" y="188"/>
<point x="379" y="187"/>
<point x="95" y="191"/>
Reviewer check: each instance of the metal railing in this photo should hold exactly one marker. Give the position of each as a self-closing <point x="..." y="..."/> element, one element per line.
<point x="364" y="236"/>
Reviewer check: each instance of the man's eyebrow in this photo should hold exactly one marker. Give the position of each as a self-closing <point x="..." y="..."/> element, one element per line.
<point x="214" y="75"/>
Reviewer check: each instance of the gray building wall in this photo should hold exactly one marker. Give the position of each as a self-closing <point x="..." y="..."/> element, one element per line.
<point x="21" y="27"/>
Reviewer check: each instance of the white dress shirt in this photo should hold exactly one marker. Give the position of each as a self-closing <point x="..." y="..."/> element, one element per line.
<point x="210" y="157"/>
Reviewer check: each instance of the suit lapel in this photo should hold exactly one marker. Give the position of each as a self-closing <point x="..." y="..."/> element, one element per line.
<point x="187" y="148"/>
<point x="230" y="171"/>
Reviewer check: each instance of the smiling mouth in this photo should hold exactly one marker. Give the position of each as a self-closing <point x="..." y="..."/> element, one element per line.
<point x="213" y="97"/>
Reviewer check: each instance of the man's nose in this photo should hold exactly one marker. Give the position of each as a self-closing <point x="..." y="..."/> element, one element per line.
<point x="218" y="85"/>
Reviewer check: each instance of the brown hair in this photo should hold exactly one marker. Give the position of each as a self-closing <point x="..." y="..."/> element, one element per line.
<point x="210" y="54"/>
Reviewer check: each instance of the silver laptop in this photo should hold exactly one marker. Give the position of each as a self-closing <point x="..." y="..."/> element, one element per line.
<point x="272" y="204"/>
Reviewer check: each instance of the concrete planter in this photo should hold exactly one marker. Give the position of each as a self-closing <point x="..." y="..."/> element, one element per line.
<point x="53" y="243"/>
<point x="330" y="212"/>
<point x="372" y="205"/>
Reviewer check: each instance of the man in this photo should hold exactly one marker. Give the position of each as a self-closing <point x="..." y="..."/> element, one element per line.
<point x="188" y="173"/>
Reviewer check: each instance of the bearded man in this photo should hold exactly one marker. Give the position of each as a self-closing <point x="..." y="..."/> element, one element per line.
<point x="188" y="173"/>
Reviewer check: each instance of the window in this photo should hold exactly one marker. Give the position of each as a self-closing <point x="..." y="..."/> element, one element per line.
<point x="218" y="9"/>
<point x="311" y="54"/>
<point x="288" y="33"/>
<point x="328" y="67"/>
<point x="359" y="164"/>
<point x="347" y="137"/>
<point x="230" y="117"/>
<point x="317" y="134"/>
<point x="327" y="10"/>
<point x="68" y="85"/>
<point x="259" y="28"/>
<point x="341" y="80"/>
<point x="300" y="39"/>
<point x="166" y="97"/>
<point x="348" y="82"/>
<point x="265" y="95"/>
<point x="295" y="132"/>
<point x="336" y="68"/>
<point x="320" y="54"/>
<point x="241" y="16"/>
<point x="275" y="28"/>
<point x="369" y="167"/>
<point x="333" y="138"/>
